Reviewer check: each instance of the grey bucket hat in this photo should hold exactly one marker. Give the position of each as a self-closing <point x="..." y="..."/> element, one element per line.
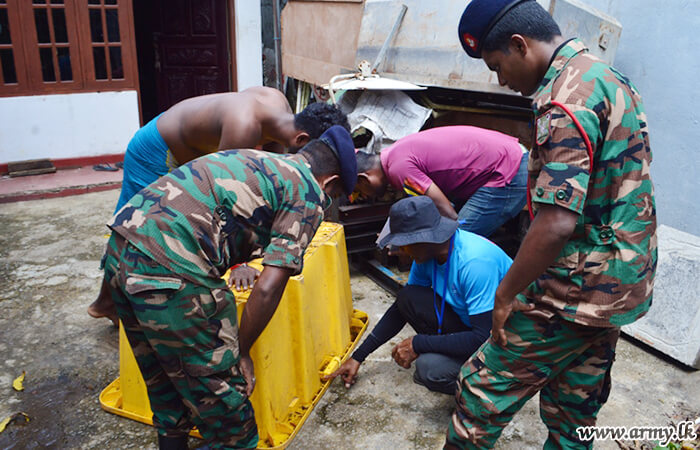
<point x="416" y="220"/>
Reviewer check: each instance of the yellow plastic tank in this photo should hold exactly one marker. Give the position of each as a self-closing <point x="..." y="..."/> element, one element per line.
<point x="313" y="330"/>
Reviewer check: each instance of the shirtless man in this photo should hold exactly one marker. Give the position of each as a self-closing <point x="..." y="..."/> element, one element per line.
<point x="257" y="116"/>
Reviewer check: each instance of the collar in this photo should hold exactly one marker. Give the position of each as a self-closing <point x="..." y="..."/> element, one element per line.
<point x="299" y="159"/>
<point x="560" y="58"/>
<point x="326" y="201"/>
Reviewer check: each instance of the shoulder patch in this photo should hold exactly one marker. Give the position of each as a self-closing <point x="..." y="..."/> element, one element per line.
<point x="543" y="126"/>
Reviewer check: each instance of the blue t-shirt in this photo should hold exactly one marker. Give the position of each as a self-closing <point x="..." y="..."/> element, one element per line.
<point x="476" y="266"/>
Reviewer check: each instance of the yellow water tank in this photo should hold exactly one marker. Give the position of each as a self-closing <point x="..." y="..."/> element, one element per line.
<point x="313" y="330"/>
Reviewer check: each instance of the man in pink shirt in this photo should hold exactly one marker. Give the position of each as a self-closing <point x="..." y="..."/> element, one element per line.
<point x="473" y="175"/>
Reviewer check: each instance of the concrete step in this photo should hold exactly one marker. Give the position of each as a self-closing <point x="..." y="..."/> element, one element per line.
<point x="61" y="183"/>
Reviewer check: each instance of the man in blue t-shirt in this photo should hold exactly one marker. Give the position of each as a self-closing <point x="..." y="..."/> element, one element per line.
<point x="448" y="298"/>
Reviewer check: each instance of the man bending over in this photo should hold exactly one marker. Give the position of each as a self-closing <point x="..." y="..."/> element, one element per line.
<point x="472" y="174"/>
<point x="447" y="301"/>
<point x="201" y="125"/>
<point x="170" y="246"/>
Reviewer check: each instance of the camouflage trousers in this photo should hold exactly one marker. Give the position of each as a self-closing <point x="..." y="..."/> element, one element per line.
<point x="568" y="364"/>
<point x="185" y="340"/>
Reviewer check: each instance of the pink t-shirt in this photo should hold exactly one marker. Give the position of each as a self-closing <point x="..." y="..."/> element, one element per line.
<point x="458" y="159"/>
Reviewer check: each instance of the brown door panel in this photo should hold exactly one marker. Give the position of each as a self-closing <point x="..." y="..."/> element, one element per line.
<point x="191" y="50"/>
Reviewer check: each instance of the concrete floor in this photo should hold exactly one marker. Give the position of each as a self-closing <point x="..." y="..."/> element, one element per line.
<point x="49" y="254"/>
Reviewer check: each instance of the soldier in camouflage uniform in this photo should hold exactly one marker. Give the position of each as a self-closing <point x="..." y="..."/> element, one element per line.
<point x="170" y="246"/>
<point x="205" y="124"/>
<point x="586" y="266"/>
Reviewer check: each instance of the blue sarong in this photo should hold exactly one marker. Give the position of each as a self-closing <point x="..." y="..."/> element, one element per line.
<point x="147" y="158"/>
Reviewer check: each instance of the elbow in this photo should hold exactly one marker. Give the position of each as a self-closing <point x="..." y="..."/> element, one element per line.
<point x="263" y="291"/>
<point x="269" y="291"/>
<point x="559" y="222"/>
<point x="271" y="283"/>
<point x="560" y="232"/>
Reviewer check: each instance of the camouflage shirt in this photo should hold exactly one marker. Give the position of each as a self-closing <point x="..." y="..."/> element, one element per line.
<point x="605" y="274"/>
<point x="215" y="211"/>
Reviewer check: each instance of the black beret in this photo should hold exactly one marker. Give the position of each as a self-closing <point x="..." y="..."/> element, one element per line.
<point x="477" y="20"/>
<point x="340" y="141"/>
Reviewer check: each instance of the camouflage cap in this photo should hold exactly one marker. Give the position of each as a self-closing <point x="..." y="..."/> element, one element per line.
<point x="478" y="19"/>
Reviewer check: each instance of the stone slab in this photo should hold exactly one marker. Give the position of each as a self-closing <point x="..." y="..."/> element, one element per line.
<point x="672" y="324"/>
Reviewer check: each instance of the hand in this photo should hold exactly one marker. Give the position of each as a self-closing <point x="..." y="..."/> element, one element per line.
<point x="245" y="365"/>
<point x="348" y="371"/>
<point x="403" y="353"/>
<point x="243" y="277"/>
<point x="501" y="311"/>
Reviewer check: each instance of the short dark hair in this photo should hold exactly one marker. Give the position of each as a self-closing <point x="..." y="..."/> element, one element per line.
<point x="529" y="19"/>
<point x="318" y="117"/>
<point x="366" y="161"/>
<point x="321" y="158"/>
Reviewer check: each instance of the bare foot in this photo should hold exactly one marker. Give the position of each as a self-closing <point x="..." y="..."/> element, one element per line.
<point x="96" y="310"/>
<point x="103" y="306"/>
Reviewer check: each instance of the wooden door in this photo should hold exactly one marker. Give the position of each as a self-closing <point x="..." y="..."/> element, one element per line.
<point x="191" y="50"/>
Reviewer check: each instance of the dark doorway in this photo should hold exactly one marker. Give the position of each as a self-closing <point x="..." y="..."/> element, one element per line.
<point x="183" y="51"/>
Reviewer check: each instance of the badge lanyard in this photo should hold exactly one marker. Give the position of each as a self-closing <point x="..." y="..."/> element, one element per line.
<point x="440" y="314"/>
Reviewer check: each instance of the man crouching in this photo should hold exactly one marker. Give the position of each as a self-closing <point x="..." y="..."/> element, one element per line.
<point x="447" y="301"/>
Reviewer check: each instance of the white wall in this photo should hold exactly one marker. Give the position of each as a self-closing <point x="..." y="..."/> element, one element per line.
<point x="67" y="125"/>
<point x="248" y="44"/>
<point x="659" y="53"/>
<point x="99" y="123"/>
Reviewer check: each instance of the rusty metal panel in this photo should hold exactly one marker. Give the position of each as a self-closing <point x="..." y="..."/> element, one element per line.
<point x="319" y="38"/>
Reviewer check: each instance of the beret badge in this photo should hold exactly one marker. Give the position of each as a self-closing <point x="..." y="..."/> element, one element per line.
<point x="470" y="41"/>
